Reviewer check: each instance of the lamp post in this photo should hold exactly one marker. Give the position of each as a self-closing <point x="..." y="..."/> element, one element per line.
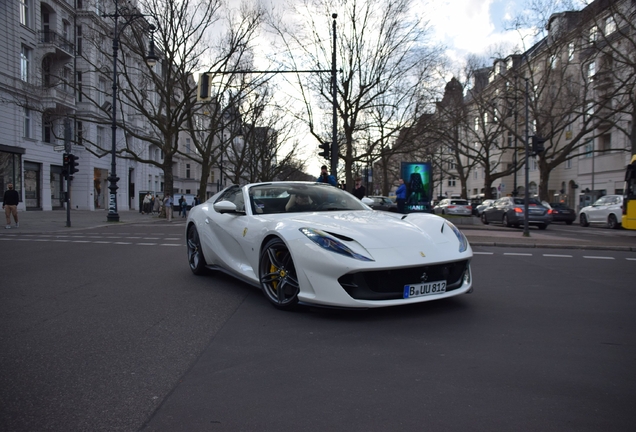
<point x="151" y="60"/>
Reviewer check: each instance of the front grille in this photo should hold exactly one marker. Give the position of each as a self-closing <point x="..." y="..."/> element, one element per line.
<point x="389" y="284"/>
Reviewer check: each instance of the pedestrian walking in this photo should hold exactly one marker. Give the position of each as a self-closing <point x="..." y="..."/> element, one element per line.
<point x="10" y="205"/>
<point x="156" y="205"/>
<point x="400" y="196"/>
<point x="167" y="203"/>
<point x="147" y="204"/>
<point x="183" y="205"/>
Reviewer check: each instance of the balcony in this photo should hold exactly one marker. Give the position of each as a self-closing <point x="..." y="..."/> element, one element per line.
<point x="63" y="47"/>
<point x="58" y="97"/>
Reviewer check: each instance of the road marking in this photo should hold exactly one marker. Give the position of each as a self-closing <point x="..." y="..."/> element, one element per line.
<point x="146" y="244"/>
<point x="81" y="241"/>
<point x="474" y="253"/>
<point x="122" y="242"/>
<point x="598" y="257"/>
<point x="170" y="244"/>
<point x="630" y="259"/>
<point x="557" y="256"/>
<point x="517" y="254"/>
<point x="102" y="242"/>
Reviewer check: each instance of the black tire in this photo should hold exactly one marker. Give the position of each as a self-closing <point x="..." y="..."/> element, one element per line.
<point x="505" y="221"/>
<point x="277" y="275"/>
<point x="568" y="222"/>
<point x="543" y="226"/>
<point x="196" y="260"/>
<point x="583" y="220"/>
<point x="612" y="222"/>
<point x="483" y="219"/>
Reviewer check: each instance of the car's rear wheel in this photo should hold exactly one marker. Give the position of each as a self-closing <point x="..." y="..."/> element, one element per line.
<point x="505" y="221"/>
<point x="277" y="275"/>
<point x="195" y="254"/>
<point x="543" y="226"/>
<point x="612" y="222"/>
<point x="583" y="220"/>
<point x="483" y="219"/>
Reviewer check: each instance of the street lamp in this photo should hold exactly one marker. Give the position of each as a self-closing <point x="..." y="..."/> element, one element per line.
<point x="151" y="60"/>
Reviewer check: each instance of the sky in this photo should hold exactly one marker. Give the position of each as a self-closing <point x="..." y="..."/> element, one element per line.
<point x="464" y="26"/>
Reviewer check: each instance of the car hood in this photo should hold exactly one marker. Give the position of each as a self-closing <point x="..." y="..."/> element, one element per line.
<point x="378" y="230"/>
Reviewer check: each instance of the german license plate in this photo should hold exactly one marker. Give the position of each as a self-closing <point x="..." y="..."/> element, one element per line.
<point x="424" y="289"/>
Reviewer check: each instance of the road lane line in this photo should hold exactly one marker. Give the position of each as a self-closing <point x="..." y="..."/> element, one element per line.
<point x="517" y="254"/>
<point x="557" y="256"/>
<point x="598" y="257"/>
<point x="474" y="253"/>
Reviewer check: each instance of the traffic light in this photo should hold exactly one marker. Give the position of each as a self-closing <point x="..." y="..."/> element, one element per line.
<point x="72" y="164"/>
<point x="65" y="162"/>
<point x="325" y="150"/>
<point x="537" y="144"/>
<point x="203" y="90"/>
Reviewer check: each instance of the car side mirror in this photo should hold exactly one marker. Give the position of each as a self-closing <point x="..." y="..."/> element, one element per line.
<point x="225" y="207"/>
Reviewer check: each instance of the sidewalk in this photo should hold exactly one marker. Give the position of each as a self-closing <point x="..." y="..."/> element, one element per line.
<point x="32" y="222"/>
<point x="55" y="221"/>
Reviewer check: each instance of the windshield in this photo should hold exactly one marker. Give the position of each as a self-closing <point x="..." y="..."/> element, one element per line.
<point x="299" y="197"/>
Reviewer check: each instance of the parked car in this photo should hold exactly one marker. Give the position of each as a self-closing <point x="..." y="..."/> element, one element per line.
<point x="509" y="211"/>
<point x="382" y="203"/>
<point x="562" y="213"/>
<point x="483" y="206"/>
<point x="605" y="210"/>
<point x="453" y="206"/>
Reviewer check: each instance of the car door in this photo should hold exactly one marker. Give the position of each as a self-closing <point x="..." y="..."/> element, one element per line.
<point x="599" y="210"/>
<point x="231" y="232"/>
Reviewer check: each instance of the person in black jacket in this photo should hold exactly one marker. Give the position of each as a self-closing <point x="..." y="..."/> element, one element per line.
<point x="359" y="191"/>
<point x="10" y="205"/>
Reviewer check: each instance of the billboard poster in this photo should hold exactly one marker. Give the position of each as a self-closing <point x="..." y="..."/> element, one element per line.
<point x="417" y="178"/>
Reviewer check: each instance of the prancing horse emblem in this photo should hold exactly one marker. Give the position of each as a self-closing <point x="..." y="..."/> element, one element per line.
<point x="424" y="277"/>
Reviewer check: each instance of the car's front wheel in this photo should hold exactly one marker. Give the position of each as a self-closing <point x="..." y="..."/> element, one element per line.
<point x="543" y="226"/>
<point x="612" y="222"/>
<point x="583" y="220"/>
<point x="277" y="275"/>
<point x="195" y="254"/>
<point x="483" y="219"/>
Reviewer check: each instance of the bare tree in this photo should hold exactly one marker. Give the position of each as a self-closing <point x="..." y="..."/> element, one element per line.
<point x="385" y="65"/>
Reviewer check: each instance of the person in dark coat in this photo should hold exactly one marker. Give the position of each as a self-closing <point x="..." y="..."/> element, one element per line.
<point x="10" y="205"/>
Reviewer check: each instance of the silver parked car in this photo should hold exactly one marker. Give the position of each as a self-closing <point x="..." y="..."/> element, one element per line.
<point x="453" y="206"/>
<point x="509" y="211"/>
<point x="483" y="206"/>
<point x="605" y="210"/>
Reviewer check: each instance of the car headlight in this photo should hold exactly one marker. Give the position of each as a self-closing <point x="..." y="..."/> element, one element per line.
<point x="332" y="244"/>
<point x="463" y="241"/>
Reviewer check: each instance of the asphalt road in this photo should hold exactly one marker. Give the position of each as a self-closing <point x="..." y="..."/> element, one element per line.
<point x="106" y="329"/>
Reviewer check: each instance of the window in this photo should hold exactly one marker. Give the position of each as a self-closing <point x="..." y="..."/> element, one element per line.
<point x="571" y="51"/>
<point x="47" y="129"/>
<point x="451" y="182"/>
<point x="101" y="97"/>
<point x="553" y="62"/>
<point x="591" y="71"/>
<point x="593" y="34"/>
<point x="78" y="39"/>
<point x="510" y="138"/>
<point x="509" y="63"/>
<point x="100" y="137"/>
<point x="606" y="142"/>
<point x="79" y="133"/>
<point x="24" y="13"/>
<point x="187" y="146"/>
<point x="188" y="171"/>
<point x="27" y="123"/>
<point x="476" y="123"/>
<point x="568" y="164"/>
<point x="79" y="87"/>
<point x="610" y="25"/>
<point x="25" y="63"/>
<point x="588" y="148"/>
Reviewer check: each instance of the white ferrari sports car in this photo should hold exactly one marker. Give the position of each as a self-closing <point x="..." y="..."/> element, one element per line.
<point x="312" y="243"/>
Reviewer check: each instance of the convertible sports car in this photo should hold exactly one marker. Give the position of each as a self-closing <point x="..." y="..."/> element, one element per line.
<point x="312" y="243"/>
